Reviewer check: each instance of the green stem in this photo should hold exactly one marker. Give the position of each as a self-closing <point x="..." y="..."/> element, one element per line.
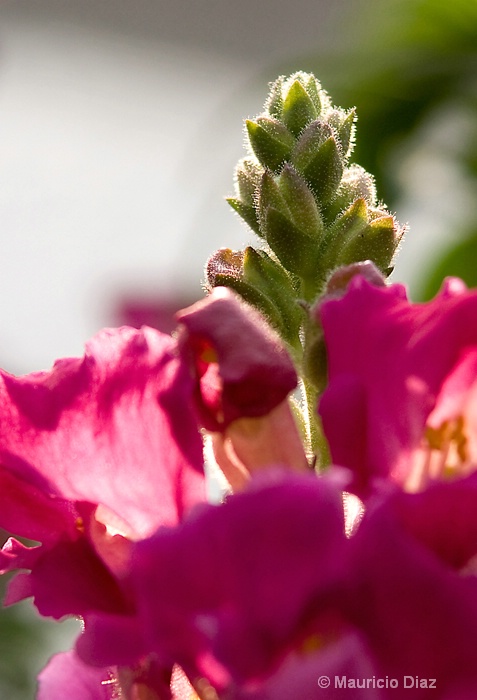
<point x="318" y="444"/>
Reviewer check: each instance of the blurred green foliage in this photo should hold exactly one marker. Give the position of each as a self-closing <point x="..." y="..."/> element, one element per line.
<point x="26" y="643"/>
<point x="401" y="62"/>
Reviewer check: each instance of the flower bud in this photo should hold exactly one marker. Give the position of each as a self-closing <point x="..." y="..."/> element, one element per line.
<point x="270" y="140"/>
<point x="343" y="124"/>
<point x="248" y="174"/>
<point x="309" y="143"/>
<point x="301" y="203"/>
<point x="225" y="268"/>
<point x="355" y="184"/>
<point x="247" y="212"/>
<point x="274" y="103"/>
<point x="298" y="108"/>
<point x="342" y="276"/>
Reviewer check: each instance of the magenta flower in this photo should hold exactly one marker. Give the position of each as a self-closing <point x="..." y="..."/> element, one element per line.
<point x="238" y="587"/>
<point x="66" y="676"/>
<point x="95" y="454"/>
<point x="244" y="376"/>
<point x="400" y="401"/>
<point x="263" y="595"/>
<point x="415" y="590"/>
<point x="243" y="367"/>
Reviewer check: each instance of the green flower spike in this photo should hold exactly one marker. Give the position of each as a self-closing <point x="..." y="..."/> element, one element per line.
<point x="298" y="192"/>
<point x="314" y="212"/>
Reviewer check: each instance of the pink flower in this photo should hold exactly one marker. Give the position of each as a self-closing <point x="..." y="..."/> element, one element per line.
<point x="95" y="454"/>
<point x="236" y="588"/>
<point x="400" y="401"/>
<point x="263" y="595"/>
<point x="244" y="377"/>
<point x="243" y="367"/>
<point x="414" y="587"/>
<point x="66" y="676"/>
<point x="100" y="452"/>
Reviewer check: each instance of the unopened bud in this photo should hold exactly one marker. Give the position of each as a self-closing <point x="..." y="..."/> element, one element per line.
<point x="270" y="140"/>
<point x="298" y="108"/>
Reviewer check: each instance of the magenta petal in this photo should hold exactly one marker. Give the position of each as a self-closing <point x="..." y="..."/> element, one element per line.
<point x="115" y="428"/>
<point x="67" y="677"/>
<point x="16" y="555"/>
<point x="418" y="615"/>
<point x="397" y="356"/>
<point x="32" y="512"/>
<point x="298" y="676"/>
<point x="111" y="640"/>
<point x="236" y="579"/>
<point x="443" y="518"/>
<point x="71" y="580"/>
<point x="254" y="372"/>
<point x="19" y="588"/>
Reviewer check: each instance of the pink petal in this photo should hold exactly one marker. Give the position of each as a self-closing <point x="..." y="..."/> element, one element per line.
<point x="70" y="579"/>
<point x="115" y="428"/>
<point x="110" y="640"/>
<point x="394" y="357"/>
<point x="67" y="677"/>
<point x="236" y="579"/>
<point x="31" y="512"/>
<point x="243" y="366"/>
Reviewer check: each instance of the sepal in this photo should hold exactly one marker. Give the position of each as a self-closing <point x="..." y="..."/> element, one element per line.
<point x="270" y="140"/>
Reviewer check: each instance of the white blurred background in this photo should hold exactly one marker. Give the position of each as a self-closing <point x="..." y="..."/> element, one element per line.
<point x="120" y="126"/>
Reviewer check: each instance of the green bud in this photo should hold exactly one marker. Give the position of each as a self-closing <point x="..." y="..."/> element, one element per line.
<point x="348" y="225"/>
<point x="343" y="124"/>
<point x="301" y="203"/>
<point x="309" y="143"/>
<point x="378" y="242"/>
<point x="269" y="195"/>
<point x="298" y="108"/>
<point x="270" y="140"/>
<point x="274" y="103"/>
<point x="295" y="250"/>
<point x="247" y="212"/>
<point x="248" y="174"/>
<point x="323" y="172"/>
<point x="225" y="268"/>
<point x="314" y="91"/>
<point x="268" y="275"/>
<point x="356" y="183"/>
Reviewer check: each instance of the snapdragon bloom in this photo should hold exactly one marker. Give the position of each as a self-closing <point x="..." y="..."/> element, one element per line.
<point x="244" y="378"/>
<point x="400" y="404"/>
<point x="97" y="454"/>
<point x="260" y="597"/>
